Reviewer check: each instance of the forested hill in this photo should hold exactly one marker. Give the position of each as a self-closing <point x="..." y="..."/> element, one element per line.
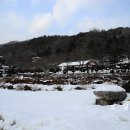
<point x="95" y="44"/>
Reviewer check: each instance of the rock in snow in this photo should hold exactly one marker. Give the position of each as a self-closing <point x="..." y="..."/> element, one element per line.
<point x="110" y="94"/>
<point x="104" y="102"/>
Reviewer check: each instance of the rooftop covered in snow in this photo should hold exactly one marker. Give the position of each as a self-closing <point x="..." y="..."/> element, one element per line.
<point x="76" y="63"/>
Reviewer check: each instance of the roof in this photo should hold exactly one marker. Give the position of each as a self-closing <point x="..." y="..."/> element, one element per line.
<point x="1" y="56"/>
<point x="76" y="63"/>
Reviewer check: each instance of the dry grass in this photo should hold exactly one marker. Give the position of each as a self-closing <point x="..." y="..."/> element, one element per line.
<point x="17" y="80"/>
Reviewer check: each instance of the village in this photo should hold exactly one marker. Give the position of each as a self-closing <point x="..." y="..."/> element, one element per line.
<point x="75" y="73"/>
<point x="89" y="66"/>
<point x="87" y="90"/>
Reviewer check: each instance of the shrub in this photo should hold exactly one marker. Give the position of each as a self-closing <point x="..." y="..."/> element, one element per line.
<point x="73" y="83"/>
<point x="79" y="88"/>
<point x="126" y="86"/>
<point x="10" y="87"/>
<point x="27" y="88"/>
<point x="59" y="88"/>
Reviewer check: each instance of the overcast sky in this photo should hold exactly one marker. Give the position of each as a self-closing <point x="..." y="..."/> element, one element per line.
<point x="25" y="19"/>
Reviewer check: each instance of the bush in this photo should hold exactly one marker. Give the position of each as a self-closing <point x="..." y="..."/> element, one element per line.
<point x="59" y="88"/>
<point x="126" y="86"/>
<point x="10" y="87"/>
<point x="79" y="88"/>
<point x="27" y="88"/>
<point x="73" y="83"/>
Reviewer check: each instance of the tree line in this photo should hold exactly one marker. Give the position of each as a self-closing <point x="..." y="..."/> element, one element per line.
<point x="52" y="50"/>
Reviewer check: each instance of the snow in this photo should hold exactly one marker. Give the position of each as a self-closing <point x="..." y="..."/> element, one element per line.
<point x="68" y="87"/>
<point x="74" y="63"/>
<point x="37" y="87"/>
<point x="54" y="110"/>
<point x="108" y="87"/>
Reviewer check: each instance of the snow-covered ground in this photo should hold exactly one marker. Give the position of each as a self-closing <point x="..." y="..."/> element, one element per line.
<point x="40" y="87"/>
<point x="108" y="87"/>
<point x="60" y="110"/>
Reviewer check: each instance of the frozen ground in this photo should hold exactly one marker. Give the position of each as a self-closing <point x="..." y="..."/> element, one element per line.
<point x="65" y="110"/>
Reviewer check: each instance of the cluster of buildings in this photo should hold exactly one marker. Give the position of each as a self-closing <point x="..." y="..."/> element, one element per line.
<point x="5" y="70"/>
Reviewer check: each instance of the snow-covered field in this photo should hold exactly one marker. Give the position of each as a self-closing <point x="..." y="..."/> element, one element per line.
<point x="60" y="110"/>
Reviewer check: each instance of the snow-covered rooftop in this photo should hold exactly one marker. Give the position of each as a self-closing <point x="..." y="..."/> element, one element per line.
<point x="1" y="56"/>
<point x="76" y="63"/>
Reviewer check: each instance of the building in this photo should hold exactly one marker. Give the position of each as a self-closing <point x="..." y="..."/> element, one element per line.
<point x="87" y="63"/>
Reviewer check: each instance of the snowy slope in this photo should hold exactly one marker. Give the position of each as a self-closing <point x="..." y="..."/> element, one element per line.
<point x="54" y="110"/>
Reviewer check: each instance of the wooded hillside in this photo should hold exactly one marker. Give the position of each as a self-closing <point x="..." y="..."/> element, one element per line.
<point x="95" y="44"/>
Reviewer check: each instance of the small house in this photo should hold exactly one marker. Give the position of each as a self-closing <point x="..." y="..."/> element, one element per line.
<point x="87" y="63"/>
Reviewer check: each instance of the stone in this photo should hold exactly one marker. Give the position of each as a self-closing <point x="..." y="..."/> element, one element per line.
<point x="111" y="95"/>
<point x="10" y="87"/>
<point x="59" y="88"/>
<point x="27" y="88"/>
<point x="104" y="102"/>
<point x="79" y="88"/>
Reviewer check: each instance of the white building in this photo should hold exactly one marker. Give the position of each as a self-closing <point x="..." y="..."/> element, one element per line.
<point x="77" y="64"/>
